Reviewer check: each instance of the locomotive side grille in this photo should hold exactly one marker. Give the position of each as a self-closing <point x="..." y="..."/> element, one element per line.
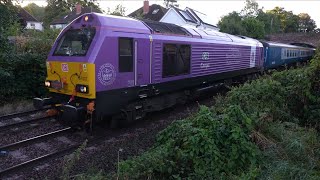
<point x="157" y="62"/>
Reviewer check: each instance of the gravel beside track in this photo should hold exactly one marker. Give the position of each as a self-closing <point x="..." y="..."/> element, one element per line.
<point x="28" y="131"/>
<point x="45" y="146"/>
<point x="103" y="155"/>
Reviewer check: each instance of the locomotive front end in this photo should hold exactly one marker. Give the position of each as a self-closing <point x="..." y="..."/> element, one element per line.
<point x="72" y="88"/>
<point x="71" y="73"/>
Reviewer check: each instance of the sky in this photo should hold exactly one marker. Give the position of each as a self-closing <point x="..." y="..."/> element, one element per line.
<point x="214" y="9"/>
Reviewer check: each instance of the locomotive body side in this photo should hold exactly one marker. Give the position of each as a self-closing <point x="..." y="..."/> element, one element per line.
<point x="156" y="70"/>
<point x="130" y="68"/>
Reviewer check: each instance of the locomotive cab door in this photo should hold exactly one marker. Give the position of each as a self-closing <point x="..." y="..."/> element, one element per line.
<point x="142" y="62"/>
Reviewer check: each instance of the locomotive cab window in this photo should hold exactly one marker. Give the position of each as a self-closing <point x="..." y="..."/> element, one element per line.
<point x="125" y="55"/>
<point x="176" y="60"/>
<point x="75" y="42"/>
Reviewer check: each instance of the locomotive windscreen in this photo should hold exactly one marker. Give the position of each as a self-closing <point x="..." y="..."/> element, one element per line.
<point x="75" y="42"/>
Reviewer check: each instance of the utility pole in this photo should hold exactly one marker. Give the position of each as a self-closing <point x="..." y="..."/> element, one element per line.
<point x="271" y="25"/>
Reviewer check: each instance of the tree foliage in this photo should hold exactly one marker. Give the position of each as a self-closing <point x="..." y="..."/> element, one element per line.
<point x="269" y="22"/>
<point x="306" y="23"/>
<point x="253" y="28"/>
<point x="250" y="9"/>
<point x="289" y="21"/>
<point x="232" y="24"/>
<point x="35" y="10"/>
<point x="9" y="19"/>
<point x="58" y="8"/>
<point x="118" y="11"/>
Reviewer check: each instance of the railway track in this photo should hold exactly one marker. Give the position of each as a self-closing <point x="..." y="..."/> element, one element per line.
<point x="10" y="121"/>
<point x="48" y="140"/>
<point x="20" y="114"/>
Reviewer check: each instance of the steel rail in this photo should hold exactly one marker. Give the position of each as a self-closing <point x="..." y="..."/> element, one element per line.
<point x="33" y="162"/>
<point x="19" y="114"/>
<point x="36" y="138"/>
<point x="8" y="126"/>
<point x="38" y="160"/>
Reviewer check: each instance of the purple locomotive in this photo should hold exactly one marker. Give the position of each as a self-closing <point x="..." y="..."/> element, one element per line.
<point x="119" y="68"/>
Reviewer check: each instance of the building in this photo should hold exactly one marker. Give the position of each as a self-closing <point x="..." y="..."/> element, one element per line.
<point x="62" y="22"/>
<point x="188" y="17"/>
<point x="173" y="15"/>
<point x="28" y="20"/>
<point x="154" y="12"/>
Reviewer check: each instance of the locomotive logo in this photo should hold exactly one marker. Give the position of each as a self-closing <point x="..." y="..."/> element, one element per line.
<point x="106" y="74"/>
<point x="205" y="55"/>
<point x="64" y="67"/>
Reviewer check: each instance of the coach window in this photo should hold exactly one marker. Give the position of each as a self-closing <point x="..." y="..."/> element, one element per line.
<point x="125" y="55"/>
<point x="176" y="60"/>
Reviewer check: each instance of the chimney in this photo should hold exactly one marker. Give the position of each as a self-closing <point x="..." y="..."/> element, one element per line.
<point x="78" y="8"/>
<point x="145" y="7"/>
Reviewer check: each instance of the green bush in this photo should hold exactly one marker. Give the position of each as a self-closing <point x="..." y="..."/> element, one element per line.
<point x="207" y="145"/>
<point x="23" y="68"/>
<point x="21" y="76"/>
<point x="278" y="113"/>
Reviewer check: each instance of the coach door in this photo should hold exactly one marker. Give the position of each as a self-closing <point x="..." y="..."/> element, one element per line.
<point x="142" y="61"/>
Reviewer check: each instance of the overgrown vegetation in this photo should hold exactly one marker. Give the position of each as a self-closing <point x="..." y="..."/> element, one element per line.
<point x="22" y="65"/>
<point x="254" y="22"/>
<point x="267" y="128"/>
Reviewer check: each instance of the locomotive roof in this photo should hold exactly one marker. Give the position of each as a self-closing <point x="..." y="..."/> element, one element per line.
<point x="118" y="23"/>
<point x="276" y="44"/>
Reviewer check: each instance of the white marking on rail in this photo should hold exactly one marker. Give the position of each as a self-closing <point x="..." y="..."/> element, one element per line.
<point x="17" y="119"/>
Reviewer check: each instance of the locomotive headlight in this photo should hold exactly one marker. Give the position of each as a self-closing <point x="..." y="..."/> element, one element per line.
<point x="82" y="88"/>
<point x="47" y="83"/>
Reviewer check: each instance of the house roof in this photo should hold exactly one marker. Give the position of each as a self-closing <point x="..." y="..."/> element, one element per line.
<point x="186" y="15"/>
<point x="24" y="15"/>
<point x="73" y="15"/>
<point x="156" y="12"/>
<point x="201" y="17"/>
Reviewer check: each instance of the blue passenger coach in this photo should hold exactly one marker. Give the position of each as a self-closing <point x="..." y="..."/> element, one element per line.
<point x="277" y="54"/>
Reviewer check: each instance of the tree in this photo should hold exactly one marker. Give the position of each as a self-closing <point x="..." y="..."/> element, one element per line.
<point x="251" y="9"/>
<point x="253" y="28"/>
<point x="289" y="21"/>
<point x="54" y="9"/>
<point x="306" y="24"/>
<point x="8" y="20"/>
<point x="170" y="3"/>
<point x="231" y="24"/>
<point x="118" y="11"/>
<point x="84" y="3"/>
<point x="35" y="10"/>
<point x="58" y="8"/>
<point x="271" y="22"/>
